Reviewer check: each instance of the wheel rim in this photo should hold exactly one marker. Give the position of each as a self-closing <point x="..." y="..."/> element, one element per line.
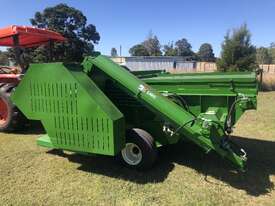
<point x="132" y="154"/>
<point x="3" y="111"/>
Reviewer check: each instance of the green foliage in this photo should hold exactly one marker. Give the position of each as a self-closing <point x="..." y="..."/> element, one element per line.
<point x="183" y="48"/>
<point x="206" y="53"/>
<point x="271" y="51"/>
<point x="169" y="49"/>
<point x="114" y="52"/>
<point x="149" y="47"/>
<point x="263" y="56"/>
<point x="238" y="54"/>
<point x="152" y="45"/>
<point x="72" y="24"/>
<point x="4" y="59"/>
<point x="266" y="55"/>
<point x="139" y="50"/>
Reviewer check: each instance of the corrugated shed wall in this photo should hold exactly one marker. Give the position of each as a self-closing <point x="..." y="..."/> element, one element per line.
<point x="159" y="63"/>
<point x="174" y="64"/>
<point x="171" y="64"/>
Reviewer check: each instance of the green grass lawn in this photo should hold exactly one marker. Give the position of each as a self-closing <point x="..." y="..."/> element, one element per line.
<point x="31" y="175"/>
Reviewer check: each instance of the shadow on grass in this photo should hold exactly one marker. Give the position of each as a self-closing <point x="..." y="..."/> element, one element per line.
<point x="108" y="166"/>
<point x="255" y="181"/>
<point x="33" y="127"/>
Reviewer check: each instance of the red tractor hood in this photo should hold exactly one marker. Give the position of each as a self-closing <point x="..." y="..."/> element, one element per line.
<point x="28" y="36"/>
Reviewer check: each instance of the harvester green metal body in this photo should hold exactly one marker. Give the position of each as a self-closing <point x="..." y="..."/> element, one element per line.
<point x="89" y="108"/>
<point x="210" y="92"/>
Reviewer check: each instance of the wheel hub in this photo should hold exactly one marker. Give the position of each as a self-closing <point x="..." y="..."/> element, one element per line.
<point x="132" y="154"/>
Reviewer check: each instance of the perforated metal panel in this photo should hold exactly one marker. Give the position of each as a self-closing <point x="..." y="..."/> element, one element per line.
<point x="75" y="113"/>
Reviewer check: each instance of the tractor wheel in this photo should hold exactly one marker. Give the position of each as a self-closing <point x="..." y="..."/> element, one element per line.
<point x="11" y="118"/>
<point x="140" y="151"/>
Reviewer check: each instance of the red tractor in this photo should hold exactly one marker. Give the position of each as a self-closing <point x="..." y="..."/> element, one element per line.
<point x="18" y="37"/>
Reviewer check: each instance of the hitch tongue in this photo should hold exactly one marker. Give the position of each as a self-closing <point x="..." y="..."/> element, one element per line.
<point x="233" y="147"/>
<point x="243" y="155"/>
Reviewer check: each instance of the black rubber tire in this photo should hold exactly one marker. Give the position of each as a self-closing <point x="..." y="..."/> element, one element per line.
<point x="147" y="147"/>
<point x="15" y="119"/>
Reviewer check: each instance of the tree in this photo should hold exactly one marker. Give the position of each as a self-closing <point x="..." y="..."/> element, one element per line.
<point x="271" y="52"/>
<point x="238" y="54"/>
<point x="152" y="45"/>
<point x="263" y="56"/>
<point x="184" y="48"/>
<point x="4" y="60"/>
<point x="206" y="53"/>
<point x="149" y="47"/>
<point x="72" y="24"/>
<point x="169" y="49"/>
<point x="114" y="52"/>
<point x="139" y="50"/>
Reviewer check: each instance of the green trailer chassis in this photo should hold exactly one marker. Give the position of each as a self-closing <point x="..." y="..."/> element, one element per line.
<point x="88" y="108"/>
